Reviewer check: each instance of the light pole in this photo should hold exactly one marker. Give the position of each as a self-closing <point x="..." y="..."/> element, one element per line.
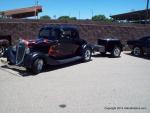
<point x="36" y="13"/>
<point x="79" y="15"/>
<point x="147" y="6"/>
<point x="92" y="13"/>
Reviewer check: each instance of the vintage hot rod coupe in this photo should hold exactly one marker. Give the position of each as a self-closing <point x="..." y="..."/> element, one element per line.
<point x="55" y="44"/>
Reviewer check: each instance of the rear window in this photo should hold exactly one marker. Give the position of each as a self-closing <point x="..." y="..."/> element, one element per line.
<point x="44" y="33"/>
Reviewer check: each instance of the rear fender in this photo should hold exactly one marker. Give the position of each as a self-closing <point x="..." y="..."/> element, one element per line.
<point x="86" y="46"/>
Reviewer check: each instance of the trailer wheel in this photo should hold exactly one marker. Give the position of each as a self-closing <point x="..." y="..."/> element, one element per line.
<point x="116" y="52"/>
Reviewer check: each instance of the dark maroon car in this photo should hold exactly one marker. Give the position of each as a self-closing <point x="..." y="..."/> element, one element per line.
<point x="55" y="44"/>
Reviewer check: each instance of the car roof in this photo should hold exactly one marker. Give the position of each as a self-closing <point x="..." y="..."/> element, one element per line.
<point x="62" y="26"/>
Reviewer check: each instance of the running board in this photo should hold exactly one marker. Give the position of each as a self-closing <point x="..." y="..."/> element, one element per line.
<point x="69" y="60"/>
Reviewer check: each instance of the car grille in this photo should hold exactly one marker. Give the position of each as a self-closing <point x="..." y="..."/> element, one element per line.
<point x="20" y="53"/>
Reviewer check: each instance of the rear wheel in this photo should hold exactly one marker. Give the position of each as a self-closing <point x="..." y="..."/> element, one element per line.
<point x="86" y="54"/>
<point x="137" y="51"/>
<point x="116" y="52"/>
<point x="37" y="66"/>
<point x="2" y="50"/>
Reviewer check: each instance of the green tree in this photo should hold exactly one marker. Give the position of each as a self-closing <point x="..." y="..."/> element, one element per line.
<point x="64" y="18"/>
<point x="101" y="18"/>
<point x="45" y="17"/>
<point x="67" y="18"/>
<point x="73" y="18"/>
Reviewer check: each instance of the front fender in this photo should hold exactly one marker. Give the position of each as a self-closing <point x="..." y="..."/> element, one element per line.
<point x="30" y="58"/>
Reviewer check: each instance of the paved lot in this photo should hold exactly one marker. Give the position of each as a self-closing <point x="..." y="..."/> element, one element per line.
<point x="104" y="85"/>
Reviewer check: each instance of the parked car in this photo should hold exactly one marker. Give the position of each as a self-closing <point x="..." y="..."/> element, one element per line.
<point x="111" y="45"/>
<point x="55" y="45"/>
<point x="5" y="41"/>
<point x="140" y="46"/>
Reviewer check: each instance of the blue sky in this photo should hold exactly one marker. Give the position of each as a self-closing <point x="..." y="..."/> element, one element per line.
<point x="74" y="7"/>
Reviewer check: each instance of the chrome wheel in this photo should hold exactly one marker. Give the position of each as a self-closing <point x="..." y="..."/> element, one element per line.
<point x="87" y="55"/>
<point x="137" y="51"/>
<point x="37" y="66"/>
<point x="116" y="52"/>
<point x="40" y="64"/>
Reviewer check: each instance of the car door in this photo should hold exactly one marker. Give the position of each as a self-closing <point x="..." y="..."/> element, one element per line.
<point x="43" y="42"/>
<point x="56" y="48"/>
<point x="75" y="41"/>
<point x="62" y="44"/>
<point x="67" y="43"/>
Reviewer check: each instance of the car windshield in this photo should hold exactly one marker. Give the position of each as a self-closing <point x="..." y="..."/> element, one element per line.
<point x="51" y="34"/>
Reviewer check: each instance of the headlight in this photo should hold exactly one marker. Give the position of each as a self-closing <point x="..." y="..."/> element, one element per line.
<point x="27" y="50"/>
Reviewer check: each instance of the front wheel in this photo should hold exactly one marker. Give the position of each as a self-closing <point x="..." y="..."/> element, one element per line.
<point x="86" y="54"/>
<point x="116" y="52"/>
<point x="37" y="66"/>
<point x="2" y="50"/>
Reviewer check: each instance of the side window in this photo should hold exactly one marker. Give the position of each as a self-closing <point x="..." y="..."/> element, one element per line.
<point x="44" y="33"/>
<point x="70" y="34"/>
<point x="74" y="34"/>
<point x="67" y="34"/>
<point x="54" y="34"/>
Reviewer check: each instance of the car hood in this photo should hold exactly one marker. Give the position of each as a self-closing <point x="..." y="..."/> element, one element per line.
<point x="32" y="42"/>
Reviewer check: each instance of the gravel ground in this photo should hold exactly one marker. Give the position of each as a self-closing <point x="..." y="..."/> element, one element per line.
<point x="104" y="85"/>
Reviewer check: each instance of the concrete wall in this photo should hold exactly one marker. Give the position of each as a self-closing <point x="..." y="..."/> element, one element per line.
<point x="89" y="30"/>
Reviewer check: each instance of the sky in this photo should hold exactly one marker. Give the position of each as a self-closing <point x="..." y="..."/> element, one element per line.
<point x="83" y="9"/>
